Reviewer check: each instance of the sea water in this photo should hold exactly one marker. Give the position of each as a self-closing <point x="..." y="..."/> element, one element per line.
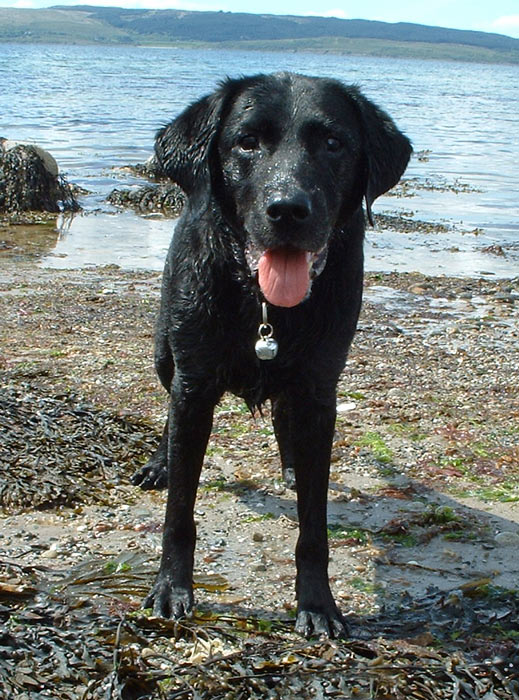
<point x="97" y="108"/>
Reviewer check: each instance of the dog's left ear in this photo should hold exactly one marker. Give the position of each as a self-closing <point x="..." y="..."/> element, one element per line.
<point x="182" y="147"/>
<point x="388" y="151"/>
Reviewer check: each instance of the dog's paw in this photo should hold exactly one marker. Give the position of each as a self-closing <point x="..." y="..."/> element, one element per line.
<point x="171" y="602"/>
<point x="153" y="475"/>
<point x="329" y="624"/>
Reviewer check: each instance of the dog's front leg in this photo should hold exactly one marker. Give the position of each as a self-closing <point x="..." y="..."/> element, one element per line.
<point x="312" y="428"/>
<point x="190" y="422"/>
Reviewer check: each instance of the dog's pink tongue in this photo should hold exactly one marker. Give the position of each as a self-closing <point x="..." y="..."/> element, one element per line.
<point x="284" y="276"/>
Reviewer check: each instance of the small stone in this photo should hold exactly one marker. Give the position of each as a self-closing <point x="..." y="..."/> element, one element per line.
<point x="507" y="539"/>
<point x="504" y="298"/>
<point x="50" y="553"/>
<point x="346" y="406"/>
<point x="395" y="393"/>
<point x="257" y="537"/>
<point x="451" y="555"/>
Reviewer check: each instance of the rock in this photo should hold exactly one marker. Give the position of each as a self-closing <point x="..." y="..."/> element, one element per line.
<point x="505" y="298"/>
<point x="507" y="539"/>
<point x="48" y="160"/>
<point x="30" y="180"/>
<point x="395" y="393"/>
<point x="148" y="652"/>
<point x="494" y="250"/>
<point x="50" y="553"/>
<point x="346" y="406"/>
<point x="166" y="198"/>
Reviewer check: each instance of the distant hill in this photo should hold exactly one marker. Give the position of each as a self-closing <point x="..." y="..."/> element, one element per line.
<point x="113" y="25"/>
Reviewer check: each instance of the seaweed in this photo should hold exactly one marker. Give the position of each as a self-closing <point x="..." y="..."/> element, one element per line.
<point x="60" y="450"/>
<point x="79" y="634"/>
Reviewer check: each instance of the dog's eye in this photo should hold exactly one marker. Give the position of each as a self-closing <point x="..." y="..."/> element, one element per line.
<point x="333" y="144"/>
<point x="249" y="142"/>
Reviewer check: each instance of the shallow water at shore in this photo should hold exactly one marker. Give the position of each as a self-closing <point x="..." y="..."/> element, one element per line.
<point x="96" y="109"/>
<point x="140" y="243"/>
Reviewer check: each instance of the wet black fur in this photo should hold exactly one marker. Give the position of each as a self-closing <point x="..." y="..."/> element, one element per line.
<point x="284" y="139"/>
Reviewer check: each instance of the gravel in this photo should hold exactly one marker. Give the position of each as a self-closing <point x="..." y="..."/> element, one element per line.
<point x="425" y="468"/>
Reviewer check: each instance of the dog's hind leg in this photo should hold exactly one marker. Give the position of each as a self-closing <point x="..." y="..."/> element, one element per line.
<point x="154" y="474"/>
<point x="281" y="423"/>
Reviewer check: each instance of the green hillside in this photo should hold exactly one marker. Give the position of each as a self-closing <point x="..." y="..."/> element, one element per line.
<point x="83" y="24"/>
<point x="56" y="25"/>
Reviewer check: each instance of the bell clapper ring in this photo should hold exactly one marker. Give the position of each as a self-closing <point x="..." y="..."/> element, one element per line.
<point x="266" y="346"/>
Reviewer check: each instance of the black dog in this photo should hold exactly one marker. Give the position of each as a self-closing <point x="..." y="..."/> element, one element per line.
<point x="276" y="168"/>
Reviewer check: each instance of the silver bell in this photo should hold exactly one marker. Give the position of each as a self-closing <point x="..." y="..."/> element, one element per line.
<point x="266" y="348"/>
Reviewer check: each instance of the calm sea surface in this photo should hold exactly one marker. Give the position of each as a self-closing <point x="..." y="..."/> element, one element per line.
<point x="96" y="109"/>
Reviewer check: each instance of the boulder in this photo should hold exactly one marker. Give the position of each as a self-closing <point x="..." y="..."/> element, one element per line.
<point x="30" y="181"/>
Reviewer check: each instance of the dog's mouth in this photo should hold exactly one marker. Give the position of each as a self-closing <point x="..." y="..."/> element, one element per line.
<point x="285" y="274"/>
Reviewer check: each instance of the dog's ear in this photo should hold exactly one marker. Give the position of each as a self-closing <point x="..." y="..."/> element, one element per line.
<point x="182" y="148"/>
<point x="387" y="151"/>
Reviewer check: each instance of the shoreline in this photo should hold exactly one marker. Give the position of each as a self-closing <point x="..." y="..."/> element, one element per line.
<point x="132" y="240"/>
<point x="394" y="48"/>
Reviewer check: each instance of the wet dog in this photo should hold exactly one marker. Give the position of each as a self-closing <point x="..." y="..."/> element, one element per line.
<point x="276" y="169"/>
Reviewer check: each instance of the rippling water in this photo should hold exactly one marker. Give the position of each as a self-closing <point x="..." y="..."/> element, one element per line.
<point x="96" y="108"/>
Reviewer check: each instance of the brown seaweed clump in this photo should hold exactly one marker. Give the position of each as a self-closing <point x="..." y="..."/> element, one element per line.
<point x="79" y="635"/>
<point x="57" y="450"/>
<point x="30" y="181"/>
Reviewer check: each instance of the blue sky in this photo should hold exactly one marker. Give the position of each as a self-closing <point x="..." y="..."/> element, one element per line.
<point x="500" y="16"/>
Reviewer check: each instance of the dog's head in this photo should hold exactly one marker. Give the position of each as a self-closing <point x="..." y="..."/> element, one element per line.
<point x="289" y="159"/>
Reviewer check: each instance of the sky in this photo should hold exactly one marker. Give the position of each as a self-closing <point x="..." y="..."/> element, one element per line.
<point x="501" y="16"/>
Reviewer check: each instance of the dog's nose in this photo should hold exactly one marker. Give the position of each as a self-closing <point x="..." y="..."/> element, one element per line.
<point x="291" y="209"/>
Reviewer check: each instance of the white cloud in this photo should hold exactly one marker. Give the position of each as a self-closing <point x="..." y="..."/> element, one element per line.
<point x="201" y="5"/>
<point x="508" y="24"/>
<point x="341" y="14"/>
<point x="174" y="5"/>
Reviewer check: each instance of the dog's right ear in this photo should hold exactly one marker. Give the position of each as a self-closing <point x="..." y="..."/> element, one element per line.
<point x="387" y="149"/>
<point x="182" y="148"/>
